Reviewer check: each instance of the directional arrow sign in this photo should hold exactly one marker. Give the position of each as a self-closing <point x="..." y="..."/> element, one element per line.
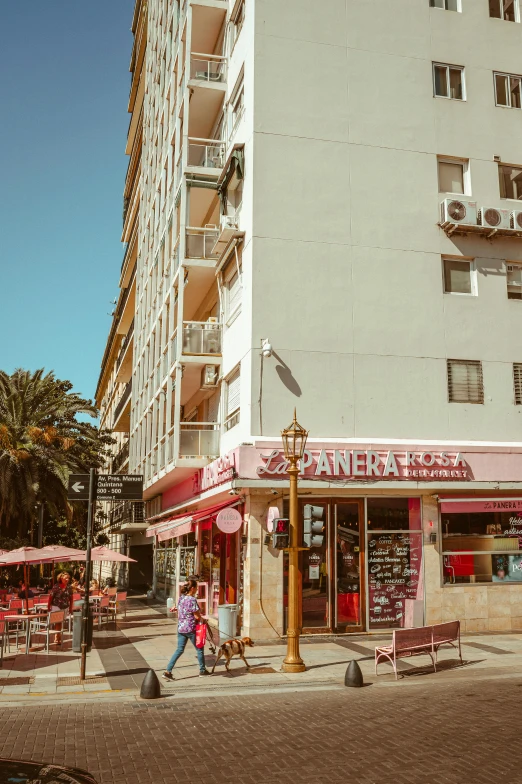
<point x="114" y="487"/>
<point x="78" y="489"/>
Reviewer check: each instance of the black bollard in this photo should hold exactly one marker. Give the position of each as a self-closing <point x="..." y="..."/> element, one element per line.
<point x="150" y="688"/>
<point x="353" y="676"/>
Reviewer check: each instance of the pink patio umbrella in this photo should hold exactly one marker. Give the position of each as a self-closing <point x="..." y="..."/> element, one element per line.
<point x="101" y="554"/>
<point x="25" y="556"/>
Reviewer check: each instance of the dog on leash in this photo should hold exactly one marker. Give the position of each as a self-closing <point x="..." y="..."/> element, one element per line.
<point x="232" y="648"/>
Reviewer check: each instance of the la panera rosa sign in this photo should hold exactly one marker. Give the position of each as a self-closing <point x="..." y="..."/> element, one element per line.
<point x="368" y="464"/>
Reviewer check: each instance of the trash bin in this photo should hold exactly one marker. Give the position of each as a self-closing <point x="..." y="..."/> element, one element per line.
<point x="77" y="631"/>
<point x="227" y="621"/>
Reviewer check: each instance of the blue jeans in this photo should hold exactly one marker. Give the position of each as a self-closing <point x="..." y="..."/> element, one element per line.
<point x="182" y="641"/>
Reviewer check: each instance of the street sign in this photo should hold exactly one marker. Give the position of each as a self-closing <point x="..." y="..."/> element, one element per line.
<point x="78" y="489"/>
<point x="114" y="487"/>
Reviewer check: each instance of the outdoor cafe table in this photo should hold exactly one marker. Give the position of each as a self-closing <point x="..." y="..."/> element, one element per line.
<point x="25" y="619"/>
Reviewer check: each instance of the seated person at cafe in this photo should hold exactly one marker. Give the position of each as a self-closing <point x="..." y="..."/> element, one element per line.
<point x="23" y="593"/>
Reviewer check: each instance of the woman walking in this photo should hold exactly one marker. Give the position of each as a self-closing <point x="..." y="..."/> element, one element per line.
<point x="188" y="615"/>
<point x="60" y="598"/>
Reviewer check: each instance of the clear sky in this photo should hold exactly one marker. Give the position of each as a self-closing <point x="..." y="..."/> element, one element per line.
<point x="63" y="106"/>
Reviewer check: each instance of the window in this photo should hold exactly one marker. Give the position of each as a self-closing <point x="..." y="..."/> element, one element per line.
<point x="233" y="395"/>
<point x="448" y="81"/>
<point x="465" y="383"/>
<point x="453" y="175"/>
<point x="514" y="281"/>
<point x="481" y="547"/>
<point x="237" y="17"/>
<point x="510" y="178"/>
<point x="508" y="10"/>
<point x="236" y="104"/>
<point x="507" y="90"/>
<point x="447" y="5"/>
<point x="459" y="276"/>
<point x="233" y="291"/>
<point x="517" y="382"/>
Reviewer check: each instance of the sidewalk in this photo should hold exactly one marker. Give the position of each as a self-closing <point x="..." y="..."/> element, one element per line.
<point x="125" y="651"/>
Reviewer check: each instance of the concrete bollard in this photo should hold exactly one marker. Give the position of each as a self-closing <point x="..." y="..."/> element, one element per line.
<point x="150" y="688"/>
<point x="353" y="676"/>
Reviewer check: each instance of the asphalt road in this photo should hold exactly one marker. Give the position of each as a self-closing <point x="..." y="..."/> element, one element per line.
<point x="412" y="733"/>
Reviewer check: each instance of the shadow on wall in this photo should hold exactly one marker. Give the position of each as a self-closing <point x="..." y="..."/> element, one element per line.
<point x="285" y="374"/>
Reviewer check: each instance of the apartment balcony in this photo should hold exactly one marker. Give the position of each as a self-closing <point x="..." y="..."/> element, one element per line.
<point x="124" y="359"/>
<point x="128" y="516"/>
<point x="201" y="339"/>
<point x="121" y="458"/>
<point x="199" y="440"/>
<point x="205" y="156"/>
<point x="200" y="241"/>
<point x="208" y="84"/>
<point x="121" y="422"/>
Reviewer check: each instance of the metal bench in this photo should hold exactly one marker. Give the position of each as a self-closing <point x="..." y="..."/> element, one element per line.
<point x="426" y="640"/>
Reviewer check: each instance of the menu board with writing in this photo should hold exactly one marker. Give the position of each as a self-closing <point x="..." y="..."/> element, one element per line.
<point x="394" y="578"/>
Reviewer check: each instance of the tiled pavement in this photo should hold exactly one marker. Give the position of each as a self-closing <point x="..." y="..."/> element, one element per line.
<point x="146" y="638"/>
<point x="460" y="733"/>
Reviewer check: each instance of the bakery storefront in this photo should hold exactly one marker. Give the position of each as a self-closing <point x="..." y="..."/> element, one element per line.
<point x="410" y="536"/>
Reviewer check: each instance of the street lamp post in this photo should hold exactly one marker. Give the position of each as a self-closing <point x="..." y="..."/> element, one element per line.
<point x="294" y="442"/>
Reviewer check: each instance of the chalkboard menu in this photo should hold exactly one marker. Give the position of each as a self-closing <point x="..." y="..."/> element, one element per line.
<point x="394" y="578"/>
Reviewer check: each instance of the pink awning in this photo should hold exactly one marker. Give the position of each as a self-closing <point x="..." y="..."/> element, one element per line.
<point x="466" y="505"/>
<point x="184" y="524"/>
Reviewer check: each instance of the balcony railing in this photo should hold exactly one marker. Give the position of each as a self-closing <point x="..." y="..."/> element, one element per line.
<point x="201" y="337"/>
<point x="127" y="512"/>
<point x="199" y="242"/>
<point x="207" y="67"/>
<point x="207" y="153"/>
<point x="126" y="340"/>
<point x="199" y="439"/>
<point x="124" y="399"/>
<point x="121" y="458"/>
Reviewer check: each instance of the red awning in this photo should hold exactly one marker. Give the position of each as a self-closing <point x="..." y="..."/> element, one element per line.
<point x="184" y="524"/>
<point x="465" y="505"/>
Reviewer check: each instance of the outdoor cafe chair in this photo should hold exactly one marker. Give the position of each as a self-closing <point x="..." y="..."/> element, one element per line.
<point x="47" y="626"/>
<point x="42" y="600"/>
<point x="118" y="602"/>
<point x="102" y="610"/>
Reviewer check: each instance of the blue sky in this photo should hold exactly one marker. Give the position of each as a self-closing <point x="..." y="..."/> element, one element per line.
<point x="63" y="98"/>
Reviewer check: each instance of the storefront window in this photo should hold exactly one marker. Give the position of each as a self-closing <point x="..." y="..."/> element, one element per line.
<point x="394" y="558"/>
<point x="482" y="547"/>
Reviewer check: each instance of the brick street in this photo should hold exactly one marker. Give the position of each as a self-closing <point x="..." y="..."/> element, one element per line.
<point x="446" y="733"/>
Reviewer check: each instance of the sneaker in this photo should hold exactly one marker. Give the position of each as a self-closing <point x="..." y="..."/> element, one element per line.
<point x="204" y="672"/>
<point x="168" y="676"/>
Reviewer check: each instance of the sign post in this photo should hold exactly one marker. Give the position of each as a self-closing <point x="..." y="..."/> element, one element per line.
<point x="102" y="487"/>
<point x="88" y="570"/>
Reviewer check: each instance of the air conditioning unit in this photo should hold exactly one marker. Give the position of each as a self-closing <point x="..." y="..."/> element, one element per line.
<point x="209" y="377"/>
<point x="494" y="218"/>
<point x="516" y="220"/>
<point x="514" y="280"/>
<point x="229" y="222"/>
<point x="458" y="211"/>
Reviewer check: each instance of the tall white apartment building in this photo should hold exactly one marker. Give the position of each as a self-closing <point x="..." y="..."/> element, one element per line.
<point x="328" y="217"/>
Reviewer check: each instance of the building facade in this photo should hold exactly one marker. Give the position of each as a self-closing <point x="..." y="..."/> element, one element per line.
<point x="271" y="274"/>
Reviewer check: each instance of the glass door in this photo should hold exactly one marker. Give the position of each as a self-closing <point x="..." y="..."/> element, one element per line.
<point x="316" y="574"/>
<point x="348" y="575"/>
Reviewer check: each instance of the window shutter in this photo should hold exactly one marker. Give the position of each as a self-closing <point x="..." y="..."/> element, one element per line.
<point x="517" y="381"/>
<point x="234" y="293"/>
<point x="465" y="384"/>
<point x="233" y="392"/>
<point x="213" y="408"/>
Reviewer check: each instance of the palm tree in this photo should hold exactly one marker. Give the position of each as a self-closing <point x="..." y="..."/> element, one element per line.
<point x="41" y="443"/>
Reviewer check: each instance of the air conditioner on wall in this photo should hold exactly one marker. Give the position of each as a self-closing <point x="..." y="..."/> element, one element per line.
<point x="459" y="211"/>
<point x="209" y="377"/>
<point x="494" y="218"/>
<point x="516" y="220"/>
<point x="228" y="222"/>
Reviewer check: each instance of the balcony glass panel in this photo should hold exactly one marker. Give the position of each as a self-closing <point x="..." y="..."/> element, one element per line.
<point x="199" y="439"/>
<point x="201" y="338"/>
<point x="199" y="243"/>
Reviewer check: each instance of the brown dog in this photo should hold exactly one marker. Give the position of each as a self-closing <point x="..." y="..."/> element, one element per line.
<point x="232" y="648"/>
